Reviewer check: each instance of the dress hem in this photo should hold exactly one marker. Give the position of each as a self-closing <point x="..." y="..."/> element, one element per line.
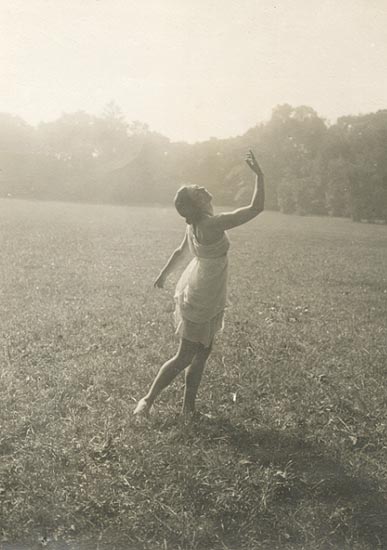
<point x="203" y="333"/>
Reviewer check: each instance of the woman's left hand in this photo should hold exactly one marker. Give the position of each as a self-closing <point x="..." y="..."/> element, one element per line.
<point x="160" y="281"/>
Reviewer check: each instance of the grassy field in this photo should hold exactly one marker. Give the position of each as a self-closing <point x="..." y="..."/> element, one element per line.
<point x="289" y="451"/>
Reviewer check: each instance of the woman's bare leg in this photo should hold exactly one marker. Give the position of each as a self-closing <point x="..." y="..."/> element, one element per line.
<point x="193" y="376"/>
<point x="167" y="373"/>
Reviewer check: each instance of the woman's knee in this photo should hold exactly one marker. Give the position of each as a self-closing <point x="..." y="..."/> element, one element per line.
<point x="187" y="351"/>
<point x="203" y="353"/>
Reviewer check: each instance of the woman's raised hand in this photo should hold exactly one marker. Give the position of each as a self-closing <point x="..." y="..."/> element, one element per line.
<point x="253" y="164"/>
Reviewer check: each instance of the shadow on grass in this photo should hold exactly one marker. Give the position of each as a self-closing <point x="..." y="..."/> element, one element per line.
<point x="354" y="506"/>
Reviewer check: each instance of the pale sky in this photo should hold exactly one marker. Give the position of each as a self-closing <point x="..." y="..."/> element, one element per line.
<point x="192" y="69"/>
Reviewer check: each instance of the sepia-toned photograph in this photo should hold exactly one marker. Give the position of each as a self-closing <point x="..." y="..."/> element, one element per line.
<point x="193" y="275"/>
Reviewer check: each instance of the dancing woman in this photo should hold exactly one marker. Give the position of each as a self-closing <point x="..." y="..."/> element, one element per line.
<point x="201" y="292"/>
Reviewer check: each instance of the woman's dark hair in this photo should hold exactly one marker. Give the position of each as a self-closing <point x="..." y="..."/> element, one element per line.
<point x="185" y="206"/>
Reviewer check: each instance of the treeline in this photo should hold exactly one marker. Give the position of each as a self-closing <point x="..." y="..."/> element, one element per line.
<point x="310" y="167"/>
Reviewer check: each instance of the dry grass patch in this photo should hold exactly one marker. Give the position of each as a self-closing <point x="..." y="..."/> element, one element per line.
<point x="289" y="450"/>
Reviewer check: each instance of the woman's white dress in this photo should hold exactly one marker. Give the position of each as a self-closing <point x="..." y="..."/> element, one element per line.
<point x="201" y="292"/>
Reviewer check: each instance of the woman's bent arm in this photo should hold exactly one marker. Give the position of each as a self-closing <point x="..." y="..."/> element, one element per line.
<point x="228" y="220"/>
<point x="172" y="263"/>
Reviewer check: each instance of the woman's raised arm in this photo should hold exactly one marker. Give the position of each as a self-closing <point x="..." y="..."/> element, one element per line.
<point x="228" y="220"/>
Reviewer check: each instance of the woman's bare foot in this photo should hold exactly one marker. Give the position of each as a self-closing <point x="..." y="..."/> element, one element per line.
<point x="142" y="408"/>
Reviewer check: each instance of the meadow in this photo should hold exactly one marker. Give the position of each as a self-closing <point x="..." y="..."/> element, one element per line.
<point x="288" y="450"/>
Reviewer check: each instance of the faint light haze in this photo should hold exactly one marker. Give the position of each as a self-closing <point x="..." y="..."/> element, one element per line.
<point x="192" y="69"/>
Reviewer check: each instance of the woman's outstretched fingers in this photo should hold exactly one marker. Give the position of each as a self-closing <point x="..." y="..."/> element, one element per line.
<point x="253" y="164"/>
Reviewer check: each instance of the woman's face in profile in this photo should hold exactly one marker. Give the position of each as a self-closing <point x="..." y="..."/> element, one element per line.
<point x="199" y="195"/>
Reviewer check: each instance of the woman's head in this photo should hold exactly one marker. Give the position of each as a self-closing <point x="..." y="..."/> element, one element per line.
<point x="192" y="202"/>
